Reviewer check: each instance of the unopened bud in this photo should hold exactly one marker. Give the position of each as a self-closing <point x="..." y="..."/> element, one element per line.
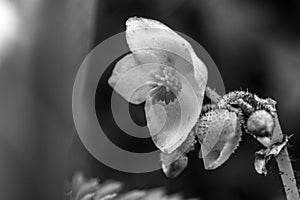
<point x="174" y="169"/>
<point x="260" y="124"/>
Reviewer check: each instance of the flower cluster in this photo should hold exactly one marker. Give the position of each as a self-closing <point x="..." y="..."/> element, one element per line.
<point x="164" y="71"/>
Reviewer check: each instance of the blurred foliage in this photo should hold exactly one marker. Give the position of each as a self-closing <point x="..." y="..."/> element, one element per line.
<point x="83" y="189"/>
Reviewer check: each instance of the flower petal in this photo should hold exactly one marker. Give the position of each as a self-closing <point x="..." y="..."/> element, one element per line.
<point x="153" y="42"/>
<point x="200" y="76"/>
<point x="163" y="123"/>
<point x="148" y="38"/>
<point x="170" y="124"/>
<point x="133" y="81"/>
<point x="183" y="149"/>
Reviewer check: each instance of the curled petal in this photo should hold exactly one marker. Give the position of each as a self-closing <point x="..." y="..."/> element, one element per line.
<point x="163" y="123"/>
<point x="170" y="123"/>
<point x="200" y="76"/>
<point x="133" y="81"/>
<point x="260" y="163"/>
<point x="263" y="156"/>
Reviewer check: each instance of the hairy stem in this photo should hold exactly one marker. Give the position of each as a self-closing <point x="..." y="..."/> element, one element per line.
<point x="283" y="160"/>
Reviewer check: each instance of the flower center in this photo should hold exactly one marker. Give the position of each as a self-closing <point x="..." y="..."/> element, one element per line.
<point x="168" y="85"/>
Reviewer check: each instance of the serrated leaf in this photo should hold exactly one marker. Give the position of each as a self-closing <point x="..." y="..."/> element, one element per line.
<point x="221" y="136"/>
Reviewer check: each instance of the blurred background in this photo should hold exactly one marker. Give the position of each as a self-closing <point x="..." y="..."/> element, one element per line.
<point x="255" y="44"/>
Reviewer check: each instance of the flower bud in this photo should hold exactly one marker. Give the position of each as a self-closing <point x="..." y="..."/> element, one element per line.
<point x="260" y="124"/>
<point x="219" y="132"/>
<point x="174" y="169"/>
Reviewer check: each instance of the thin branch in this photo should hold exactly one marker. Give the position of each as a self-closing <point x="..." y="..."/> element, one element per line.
<point x="285" y="167"/>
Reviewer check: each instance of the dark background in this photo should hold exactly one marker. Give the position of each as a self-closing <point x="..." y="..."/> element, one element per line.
<point x="255" y="44"/>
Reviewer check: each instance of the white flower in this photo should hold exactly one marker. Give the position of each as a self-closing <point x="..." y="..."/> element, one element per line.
<point x="164" y="71"/>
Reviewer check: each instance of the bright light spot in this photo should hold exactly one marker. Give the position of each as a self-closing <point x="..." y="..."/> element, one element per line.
<point x="8" y="25"/>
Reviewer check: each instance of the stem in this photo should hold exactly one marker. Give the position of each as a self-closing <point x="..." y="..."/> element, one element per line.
<point x="285" y="166"/>
<point x="283" y="160"/>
